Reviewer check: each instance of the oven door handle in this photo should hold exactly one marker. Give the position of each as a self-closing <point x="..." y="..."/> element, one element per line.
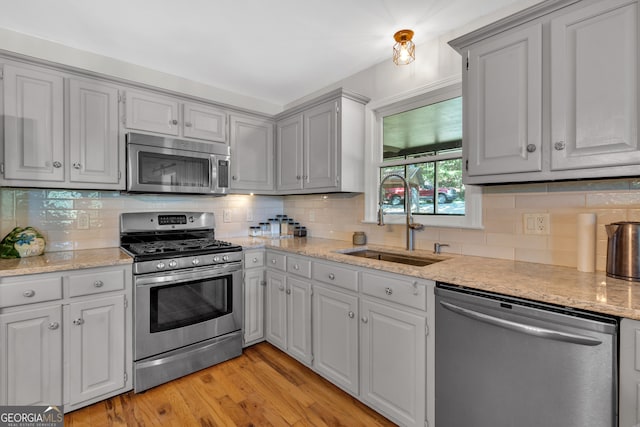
<point x="170" y="277"/>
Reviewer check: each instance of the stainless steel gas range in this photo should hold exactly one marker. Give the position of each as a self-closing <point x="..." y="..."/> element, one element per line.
<point x="187" y="294"/>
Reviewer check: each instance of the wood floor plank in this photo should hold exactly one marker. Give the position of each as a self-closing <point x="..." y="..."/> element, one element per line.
<point x="262" y="388"/>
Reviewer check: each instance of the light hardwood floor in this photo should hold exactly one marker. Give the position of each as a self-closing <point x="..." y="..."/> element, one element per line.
<point x="263" y="387"/>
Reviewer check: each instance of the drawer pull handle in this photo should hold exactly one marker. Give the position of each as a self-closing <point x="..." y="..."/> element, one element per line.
<point x="78" y="321"/>
<point x="365" y="319"/>
<point x="332" y="276"/>
<point x="29" y="293"/>
<point x="296" y="267"/>
<point x="273" y="261"/>
<point x="351" y="315"/>
<point x="54" y="325"/>
<point x="388" y="291"/>
<point x="98" y="283"/>
<point x="416" y="291"/>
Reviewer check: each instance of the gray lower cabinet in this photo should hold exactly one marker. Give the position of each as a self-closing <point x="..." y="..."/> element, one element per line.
<point x="254" y="286"/>
<point x="65" y="338"/>
<point x="629" y="405"/>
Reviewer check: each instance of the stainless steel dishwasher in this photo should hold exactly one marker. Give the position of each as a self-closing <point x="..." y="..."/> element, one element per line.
<point x="503" y="361"/>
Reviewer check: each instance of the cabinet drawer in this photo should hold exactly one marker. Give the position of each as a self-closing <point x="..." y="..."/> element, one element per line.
<point x="299" y="266"/>
<point x="335" y="275"/>
<point x="407" y="292"/>
<point x="253" y="259"/>
<point x="277" y="261"/>
<point x="93" y="282"/>
<point x="30" y="291"/>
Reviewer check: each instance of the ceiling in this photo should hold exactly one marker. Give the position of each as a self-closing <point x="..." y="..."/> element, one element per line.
<point x="277" y="50"/>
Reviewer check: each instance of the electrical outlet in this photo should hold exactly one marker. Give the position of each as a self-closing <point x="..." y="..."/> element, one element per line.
<point x="83" y="221"/>
<point x="537" y="223"/>
<point x="249" y="215"/>
<point x="312" y="215"/>
<point x="226" y="215"/>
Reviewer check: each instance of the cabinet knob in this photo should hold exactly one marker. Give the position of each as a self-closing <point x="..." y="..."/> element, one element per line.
<point x="296" y="267"/>
<point x="98" y="283"/>
<point x="531" y="148"/>
<point x="288" y="292"/>
<point x="78" y="321"/>
<point x="263" y="283"/>
<point x="559" y="145"/>
<point x="187" y="124"/>
<point x="281" y="287"/>
<point x="332" y="276"/>
<point x="364" y="319"/>
<point x="388" y="291"/>
<point x="29" y="293"/>
<point x="57" y="165"/>
<point x="298" y="177"/>
<point x="173" y="122"/>
<point x="254" y="260"/>
<point x="233" y="177"/>
<point x="351" y="315"/>
<point x="77" y="165"/>
<point x="54" y="325"/>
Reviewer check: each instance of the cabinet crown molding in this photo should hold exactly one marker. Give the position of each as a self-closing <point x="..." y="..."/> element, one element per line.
<point x="337" y="93"/>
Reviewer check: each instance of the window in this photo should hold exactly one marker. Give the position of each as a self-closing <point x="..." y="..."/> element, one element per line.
<point x="424" y="145"/>
<point x="420" y="138"/>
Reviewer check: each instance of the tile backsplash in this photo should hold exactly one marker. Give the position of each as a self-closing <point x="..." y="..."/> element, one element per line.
<point x="63" y="216"/>
<point x="78" y="219"/>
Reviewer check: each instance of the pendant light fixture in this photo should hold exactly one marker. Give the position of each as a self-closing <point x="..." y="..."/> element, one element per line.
<point x="404" y="51"/>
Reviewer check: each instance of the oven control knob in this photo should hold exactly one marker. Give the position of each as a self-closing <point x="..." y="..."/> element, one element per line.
<point x="160" y="266"/>
<point x="173" y="264"/>
<point x="225" y="258"/>
<point x="216" y="258"/>
<point x="195" y="261"/>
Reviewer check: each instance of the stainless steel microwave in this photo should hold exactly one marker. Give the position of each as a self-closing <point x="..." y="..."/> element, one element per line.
<point x="157" y="164"/>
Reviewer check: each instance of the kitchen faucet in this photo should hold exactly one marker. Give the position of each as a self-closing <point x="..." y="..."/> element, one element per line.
<point x="407" y="208"/>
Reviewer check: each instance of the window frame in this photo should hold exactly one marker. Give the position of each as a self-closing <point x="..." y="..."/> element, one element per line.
<point x="375" y="111"/>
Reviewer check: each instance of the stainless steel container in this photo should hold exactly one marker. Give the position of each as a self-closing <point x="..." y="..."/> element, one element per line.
<point x="623" y="250"/>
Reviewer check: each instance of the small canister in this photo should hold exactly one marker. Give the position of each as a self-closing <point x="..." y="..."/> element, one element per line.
<point x="359" y="238"/>
<point x="265" y="229"/>
<point x="254" y="231"/>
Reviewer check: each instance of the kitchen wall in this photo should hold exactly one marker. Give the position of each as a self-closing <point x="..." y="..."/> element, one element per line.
<point x="337" y="217"/>
<point x="60" y="214"/>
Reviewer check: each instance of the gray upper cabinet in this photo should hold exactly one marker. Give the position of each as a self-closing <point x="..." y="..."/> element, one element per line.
<point x="33" y="124"/>
<point x="94" y="142"/>
<point x="151" y="112"/>
<point x="320" y="145"/>
<point x="503" y="105"/>
<point x="39" y="104"/>
<point x="551" y="93"/>
<point x="251" y="143"/>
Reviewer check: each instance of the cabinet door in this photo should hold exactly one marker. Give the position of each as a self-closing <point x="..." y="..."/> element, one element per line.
<point x="204" y="122"/>
<point x="594" y="80"/>
<point x="335" y="337"/>
<point x="276" y="310"/>
<point x="93" y="133"/>
<point x="251" y="154"/>
<point x="629" y="373"/>
<point x="33" y="125"/>
<point x="95" y="343"/>
<point x="393" y="352"/>
<point x="320" y="148"/>
<point x="254" y="285"/>
<point x="152" y="113"/>
<point x="299" y="319"/>
<point x="289" y="152"/>
<point x="503" y="106"/>
<point x="31" y="357"/>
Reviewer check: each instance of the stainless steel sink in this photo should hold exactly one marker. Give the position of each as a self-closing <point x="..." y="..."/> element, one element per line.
<point x="392" y="257"/>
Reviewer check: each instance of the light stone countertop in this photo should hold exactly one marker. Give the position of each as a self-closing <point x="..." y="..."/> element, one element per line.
<point x="540" y="282"/>
<point x="66" y="260"/>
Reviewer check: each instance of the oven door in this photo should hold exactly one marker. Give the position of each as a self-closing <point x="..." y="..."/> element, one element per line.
<point x="175" y="309"/>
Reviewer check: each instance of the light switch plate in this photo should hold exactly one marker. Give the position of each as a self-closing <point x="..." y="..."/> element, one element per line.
<point x="226" y="215"/>
<point x="536" y="223"/>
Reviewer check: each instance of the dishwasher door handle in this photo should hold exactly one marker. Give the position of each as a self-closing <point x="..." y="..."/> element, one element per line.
<point x="520" y="327"/>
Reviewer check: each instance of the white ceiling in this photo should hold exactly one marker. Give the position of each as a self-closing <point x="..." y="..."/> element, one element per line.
<point x="275" y="50"/>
